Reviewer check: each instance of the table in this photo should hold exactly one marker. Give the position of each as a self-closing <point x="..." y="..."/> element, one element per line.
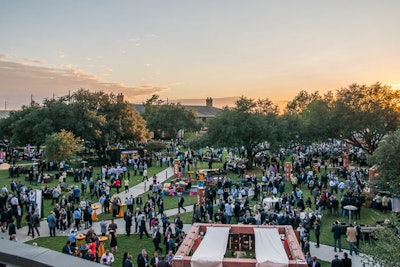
<point x="350" y="208"/>
<point x="270" y="202"/>
<point x="80" y="237"/>
<point x="94" y="215"/>
<point x="366" y="232"/>
<point x="101" y="245"/>
<point x="121" y="210"/>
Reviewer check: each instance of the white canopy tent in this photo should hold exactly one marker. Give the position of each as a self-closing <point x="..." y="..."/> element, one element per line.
<point x="212" y="248"/>
<point x="269" y="248"/>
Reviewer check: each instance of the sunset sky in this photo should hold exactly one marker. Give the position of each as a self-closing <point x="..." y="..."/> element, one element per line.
<point x="184" y="50"/>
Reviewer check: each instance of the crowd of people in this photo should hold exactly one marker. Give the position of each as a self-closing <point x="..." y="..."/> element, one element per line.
<point x="329" y="195"/>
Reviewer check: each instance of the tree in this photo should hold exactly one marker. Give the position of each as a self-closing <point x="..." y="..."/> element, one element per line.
<point x="100" y="118"/>
<point x="250" y="124"/>
<point x="384" y="251"/>
<point x="301" y="101"/>
<point x="155" y="146"/>
<point x="387" y="158"/>
<point x="168" y="118"/>
<point x="61" y="146"/>
<point x="365" y="114"/>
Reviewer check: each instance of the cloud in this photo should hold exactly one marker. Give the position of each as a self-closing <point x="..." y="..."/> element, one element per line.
<point x="19" y="81"/>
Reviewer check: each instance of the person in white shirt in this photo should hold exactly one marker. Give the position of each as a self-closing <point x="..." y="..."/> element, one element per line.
<point x="107" y="258"/>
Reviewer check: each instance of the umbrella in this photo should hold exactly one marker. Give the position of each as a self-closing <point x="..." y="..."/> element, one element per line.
<point x="4" y="166"/>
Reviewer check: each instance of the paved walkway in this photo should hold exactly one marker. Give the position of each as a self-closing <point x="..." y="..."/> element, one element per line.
<point x="324" y="252"/>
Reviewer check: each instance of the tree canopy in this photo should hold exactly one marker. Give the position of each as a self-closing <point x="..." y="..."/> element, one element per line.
<point x="387" y="158"/>
<point x="61" y="146"/>
<point x="250" y="124"/>
<point x="168" y="118"/>
<point x="100" y="118"/>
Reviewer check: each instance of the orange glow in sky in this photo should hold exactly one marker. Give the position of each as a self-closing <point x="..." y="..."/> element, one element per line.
<point x="191" y="50"/>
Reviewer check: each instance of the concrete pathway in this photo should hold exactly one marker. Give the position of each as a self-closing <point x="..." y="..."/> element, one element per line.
<point x="324" y="252"/>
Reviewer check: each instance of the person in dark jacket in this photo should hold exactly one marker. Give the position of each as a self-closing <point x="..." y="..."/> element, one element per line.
<point x="336" y="262"/>
<point x="346" y="261"/>
<point x="12" y="229"/>
<point x="337" y="234"/>
<point x="143" y="259"/>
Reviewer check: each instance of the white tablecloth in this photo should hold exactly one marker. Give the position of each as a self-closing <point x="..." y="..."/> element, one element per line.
<point x="270" y="202"/>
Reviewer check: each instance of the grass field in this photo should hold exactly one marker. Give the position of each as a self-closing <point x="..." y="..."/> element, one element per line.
<point x="134" y="245"/>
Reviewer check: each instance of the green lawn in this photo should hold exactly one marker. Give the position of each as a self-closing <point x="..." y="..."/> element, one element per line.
<point x="368" y="216"/>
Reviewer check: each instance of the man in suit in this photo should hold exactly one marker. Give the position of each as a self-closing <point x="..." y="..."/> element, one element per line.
<point x="336" y="262"/>
<point x="143" y="259"/>
<point x="155" y="260"/>
<point x="137" y="216"/>
<point x="128" y="222"/>
<point x="315" y="262"/>
<point x="139" y="202"/>
<point x="181" y="200"/>
<point x="157" y="239"/>
<point x="142" y="227"/>
<point x="337" y="233"/>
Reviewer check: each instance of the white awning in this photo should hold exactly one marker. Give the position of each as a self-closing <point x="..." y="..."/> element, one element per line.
<point x="269" y="248"/>
<point x="212" y="248"/>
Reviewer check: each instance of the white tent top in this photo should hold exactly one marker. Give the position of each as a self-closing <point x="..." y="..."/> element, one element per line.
<point x="269" y="248"/>
<point x="212" y="248"/>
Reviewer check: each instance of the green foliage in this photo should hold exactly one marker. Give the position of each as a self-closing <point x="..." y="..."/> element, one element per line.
<point x="387" y="158"/>
<point x="365" y="114"/>
<point x="61" y="146"/>
<point x="384" y="251"/>
<point x="243" y="125"/>
<point x="97" y="117"/>
<point x="156" y="146"/>
<point x="168" y="118"/>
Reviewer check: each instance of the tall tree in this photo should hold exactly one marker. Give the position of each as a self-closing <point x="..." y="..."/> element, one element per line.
<point x="168" y="118"/>
<point x="365" y="114"/>
<point x="387" y="158"/>
<point x="250" y="124"/>
<point x="61" y="146"/>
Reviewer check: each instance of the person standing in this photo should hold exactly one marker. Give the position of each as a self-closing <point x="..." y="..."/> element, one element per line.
<point x="19" y="215"/>
<point x="129" y="202"/>
<point x="351" y="234"/>
<point x="317" y="231"/>
<point x="128" y="260"/>
<point x="11" y="229"/>
<point x="126" y="184"/>
<point x="128" y="222"/>
<point x="143" y="259"/>
<point x="34" y="222"/>
<point x="346" y="260"/>
<point x="315" y="262"/>
<point x="113" y="241"/>
<point x="103" y="227"/>
<point x="77" y="218"/>
<point x="137" y="215"/>
<point x="51" y="222"/>
<point x="142" y="227"/>
<point x="157" y="239"/>
<point x="181" y="200"/>
<point x="337" y="233"/>
<point x="336" y="262"/>
<point x="306" y="246"/>
<point x="155" y="260"/>
<point x="358" y="228"/>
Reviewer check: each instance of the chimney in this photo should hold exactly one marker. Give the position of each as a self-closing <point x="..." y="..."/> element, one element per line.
<point x="120" y="98"/>
<point x="209" y="102"/>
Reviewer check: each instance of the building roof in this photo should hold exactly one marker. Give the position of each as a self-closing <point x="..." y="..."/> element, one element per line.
<point x="201" y="111"/>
